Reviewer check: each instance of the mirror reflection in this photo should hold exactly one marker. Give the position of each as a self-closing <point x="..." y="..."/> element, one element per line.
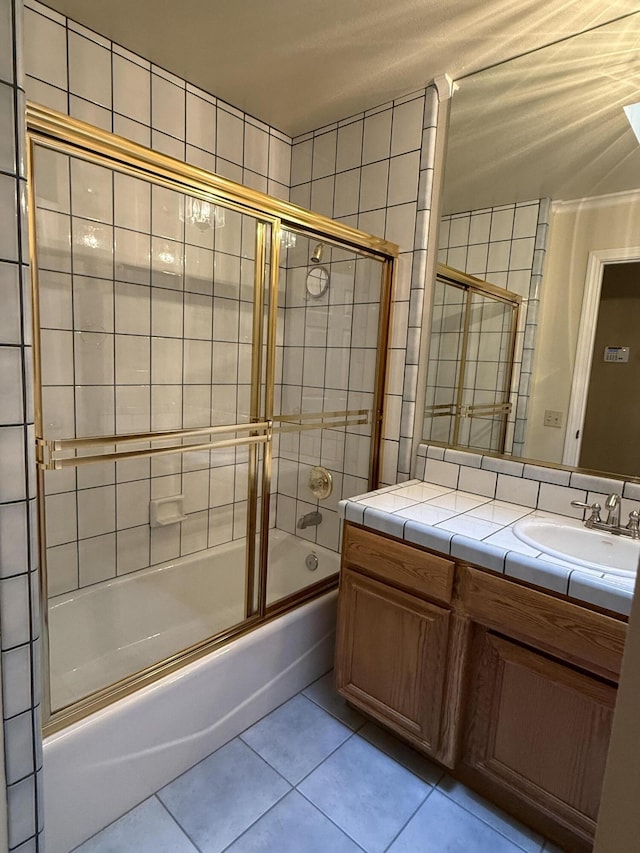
<point x="542" y="198"/>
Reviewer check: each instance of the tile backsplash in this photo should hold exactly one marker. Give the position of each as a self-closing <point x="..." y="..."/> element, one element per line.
<point x="547" y="489"/>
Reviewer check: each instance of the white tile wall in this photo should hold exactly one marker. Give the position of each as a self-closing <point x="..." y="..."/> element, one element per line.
<point x="19" y="646"/>
<point x="368" y="174"/>
<point x="148" y="105"/>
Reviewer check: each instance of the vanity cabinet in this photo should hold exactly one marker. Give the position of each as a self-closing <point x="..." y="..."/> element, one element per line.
<point x="510" y="687"/>
<point x="537" y="732"/>
<point x="393" y="640"/>
<point x="394" y="644"/>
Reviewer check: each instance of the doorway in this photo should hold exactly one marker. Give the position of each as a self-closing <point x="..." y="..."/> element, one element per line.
<point x="590" y="357"/>
<point x="612" y="416"/>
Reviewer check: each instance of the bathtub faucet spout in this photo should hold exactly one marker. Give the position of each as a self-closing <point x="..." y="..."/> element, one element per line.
<point x="311" y="519"/>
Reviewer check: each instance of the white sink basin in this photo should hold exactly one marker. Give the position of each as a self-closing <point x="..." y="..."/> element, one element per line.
<point x="571" y="540"/>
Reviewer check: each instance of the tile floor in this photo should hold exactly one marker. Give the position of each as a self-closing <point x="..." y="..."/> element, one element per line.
<point x="315" y="777"/>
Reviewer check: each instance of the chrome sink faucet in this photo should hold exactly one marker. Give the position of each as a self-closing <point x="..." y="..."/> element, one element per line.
<point x="612" y="505"/>
<point x="612" y="521"/>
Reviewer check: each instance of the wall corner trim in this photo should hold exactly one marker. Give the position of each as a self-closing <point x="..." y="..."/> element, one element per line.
<point x="445" y="86"/>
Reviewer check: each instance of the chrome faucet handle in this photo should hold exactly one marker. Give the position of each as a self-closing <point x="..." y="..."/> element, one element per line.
<point x="634" y="524"/>
<point x="595" y="511"/>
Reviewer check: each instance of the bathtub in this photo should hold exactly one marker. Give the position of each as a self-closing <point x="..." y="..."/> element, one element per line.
<point x="105" y="632"/>
<point x="99" y="768"/>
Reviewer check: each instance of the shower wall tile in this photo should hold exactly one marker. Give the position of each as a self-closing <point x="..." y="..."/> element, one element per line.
<point x="19" y="648"/>
<point x="378" y="170"/>
<point x="79" y="72"/>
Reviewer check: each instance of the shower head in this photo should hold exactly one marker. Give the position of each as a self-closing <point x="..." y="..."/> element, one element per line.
<point x="316" y="257"/>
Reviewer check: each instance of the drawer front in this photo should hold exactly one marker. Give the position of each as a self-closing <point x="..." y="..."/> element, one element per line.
<point x="396" y="563"/>
<point x="581" y="637"/>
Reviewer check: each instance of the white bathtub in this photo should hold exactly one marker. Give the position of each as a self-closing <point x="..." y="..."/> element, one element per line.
<point x="110" y="630"/>
<point x="97" y="769"/>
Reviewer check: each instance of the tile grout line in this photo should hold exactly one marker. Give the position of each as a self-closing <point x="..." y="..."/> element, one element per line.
<point x="176" y="821"/>
<point x="306" y="776"/>
<point x="315" y="806"/>
<point x="473" y="814"/>
<point x="410" y="818"/>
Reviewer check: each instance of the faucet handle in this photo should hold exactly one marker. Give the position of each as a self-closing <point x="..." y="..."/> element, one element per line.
<point x="634" y="524"/>
<point x="595" y="511"/>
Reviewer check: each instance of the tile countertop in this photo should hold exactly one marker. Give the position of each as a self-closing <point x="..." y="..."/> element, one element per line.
<point x="478" y="529"/>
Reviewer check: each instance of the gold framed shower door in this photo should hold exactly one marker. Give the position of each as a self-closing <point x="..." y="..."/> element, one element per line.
<point x="56" y="131"/>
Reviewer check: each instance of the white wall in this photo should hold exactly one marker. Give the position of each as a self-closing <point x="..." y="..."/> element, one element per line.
<point x="577" y="228"/>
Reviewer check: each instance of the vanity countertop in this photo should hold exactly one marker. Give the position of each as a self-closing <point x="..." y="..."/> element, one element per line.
<point x="479" y="529"/>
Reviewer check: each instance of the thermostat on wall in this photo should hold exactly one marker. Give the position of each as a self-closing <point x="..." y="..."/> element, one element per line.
<point x="617" y="354"/>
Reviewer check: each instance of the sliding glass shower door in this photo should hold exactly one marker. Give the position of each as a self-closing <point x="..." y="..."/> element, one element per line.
<point x="187" y="358"/>
<point x="150" y="306"/>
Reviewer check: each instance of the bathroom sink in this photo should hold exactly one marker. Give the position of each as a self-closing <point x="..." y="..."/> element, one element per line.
<point x="571" y="540"/>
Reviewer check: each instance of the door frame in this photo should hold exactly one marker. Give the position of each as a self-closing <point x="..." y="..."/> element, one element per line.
<point x="584" y="350"/>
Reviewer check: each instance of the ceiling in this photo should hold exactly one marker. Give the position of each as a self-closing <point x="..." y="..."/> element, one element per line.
<point x="299" y="65"/>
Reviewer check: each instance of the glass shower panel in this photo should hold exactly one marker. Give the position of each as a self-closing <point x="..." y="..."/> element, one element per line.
<point x="148" y="347"/>
<point x="328" y="332"/>
<point x="128" y="590"/>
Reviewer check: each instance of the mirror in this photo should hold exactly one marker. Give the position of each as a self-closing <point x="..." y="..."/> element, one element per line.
<point x="542" y="197"/>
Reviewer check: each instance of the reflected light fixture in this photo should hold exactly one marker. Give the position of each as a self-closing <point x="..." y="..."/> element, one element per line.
<point x="167" y="256"/>
<point x="203" y="214"/>
<point x="632" y="111"/>
<point x="287" y="239"/>
<point x="91" y="239"/>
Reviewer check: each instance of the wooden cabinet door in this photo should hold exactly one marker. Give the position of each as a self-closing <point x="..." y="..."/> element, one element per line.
<point x="539" y="730"/>
<point x="391" y="655"/>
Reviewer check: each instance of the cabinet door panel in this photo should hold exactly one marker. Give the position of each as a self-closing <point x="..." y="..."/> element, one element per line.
<point x="391" y="655"/>
<point x="539" y="729"/>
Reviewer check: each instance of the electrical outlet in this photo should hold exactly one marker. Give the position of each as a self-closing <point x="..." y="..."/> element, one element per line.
<point x="552" y="419"/>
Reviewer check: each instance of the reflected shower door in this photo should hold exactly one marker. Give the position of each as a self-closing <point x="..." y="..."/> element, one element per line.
<point x="150" y="370"/>
<point x="446" y="346"/>
<point x="468" y="391"/>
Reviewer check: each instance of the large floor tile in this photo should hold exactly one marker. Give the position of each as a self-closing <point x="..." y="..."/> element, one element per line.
<point x="146" y="829"/>
<point x="219" y="798"/>
<point x="323" y="693"/>
<point x="520" y="834"/>
<point x="296" y="737"/>
<point x="294" y="826"/>
<point x="365" y="793"/>
<point x="402" y="753"/>
<point x="442" y="826"/>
